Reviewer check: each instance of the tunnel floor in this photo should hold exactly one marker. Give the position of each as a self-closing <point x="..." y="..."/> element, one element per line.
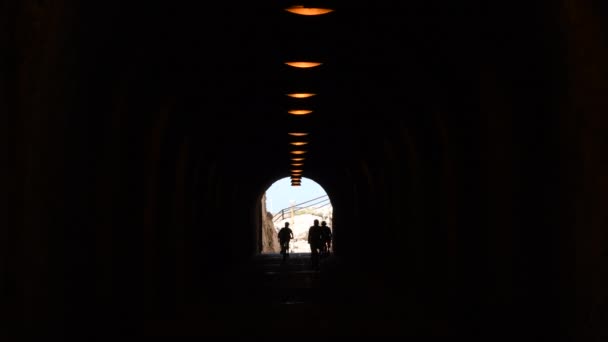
<point x="266" y="297"/>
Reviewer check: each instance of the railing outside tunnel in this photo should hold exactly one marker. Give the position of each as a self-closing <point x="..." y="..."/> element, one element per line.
<point x="291" y="211"/>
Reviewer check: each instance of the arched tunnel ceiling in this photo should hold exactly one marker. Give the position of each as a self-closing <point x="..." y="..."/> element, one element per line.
<point x="385" y="64"/>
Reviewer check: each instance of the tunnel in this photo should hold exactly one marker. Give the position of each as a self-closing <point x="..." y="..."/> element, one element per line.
<point x="463" y="144"/>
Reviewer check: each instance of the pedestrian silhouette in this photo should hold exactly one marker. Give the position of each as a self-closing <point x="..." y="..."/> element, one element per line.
<point x="326" y="237"/>
<point x="315" y="240"/>
<point x="285" y="235"/>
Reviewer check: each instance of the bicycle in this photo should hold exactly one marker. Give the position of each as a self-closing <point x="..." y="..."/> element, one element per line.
<point x="285" y="249"/>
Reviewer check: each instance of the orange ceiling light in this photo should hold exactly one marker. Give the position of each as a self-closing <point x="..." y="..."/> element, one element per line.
<point x="298" y="134"/>
<point x="303" y="65"/>
<point x="299" y="143"/>
<point x="301" y="10"/>
<point x="301" y="95"/>
<point x="297" y="152"/>
<point x="299" y="111"/>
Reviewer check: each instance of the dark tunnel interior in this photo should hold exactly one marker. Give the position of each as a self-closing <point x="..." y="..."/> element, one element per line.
<point x="463" y="145"/>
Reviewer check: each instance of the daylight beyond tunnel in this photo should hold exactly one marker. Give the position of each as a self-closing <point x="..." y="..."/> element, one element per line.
<point x="298" y="206"/>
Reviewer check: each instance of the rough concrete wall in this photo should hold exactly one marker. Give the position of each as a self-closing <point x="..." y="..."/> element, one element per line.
<point x="270" y="243"/>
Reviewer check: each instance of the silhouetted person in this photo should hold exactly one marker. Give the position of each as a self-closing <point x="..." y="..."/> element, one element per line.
<point x="315" y="241"/>
<point x="285" y="235"/>
<point x="326" y="237"/>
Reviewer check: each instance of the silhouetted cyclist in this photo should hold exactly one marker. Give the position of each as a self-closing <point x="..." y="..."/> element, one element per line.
<point x="285" y="235"/>
<point x="326" y="237"/>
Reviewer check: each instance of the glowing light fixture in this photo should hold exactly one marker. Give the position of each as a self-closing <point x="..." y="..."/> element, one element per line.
<point x="298" y="159"/>
<point x="297" y="152"/>
<point x="299" y="143"/>
<point x="303" y="65"/>
<point x="299" y="111"/>
<point x="298" y="134"/>
<point x="301" y="95"/>
<point x="301" y="10"/>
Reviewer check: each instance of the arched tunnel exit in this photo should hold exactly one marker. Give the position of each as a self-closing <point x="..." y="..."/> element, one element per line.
<point x="298" y="207"/>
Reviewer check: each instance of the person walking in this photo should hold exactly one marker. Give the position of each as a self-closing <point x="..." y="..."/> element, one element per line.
<point x="314" y="240"/>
